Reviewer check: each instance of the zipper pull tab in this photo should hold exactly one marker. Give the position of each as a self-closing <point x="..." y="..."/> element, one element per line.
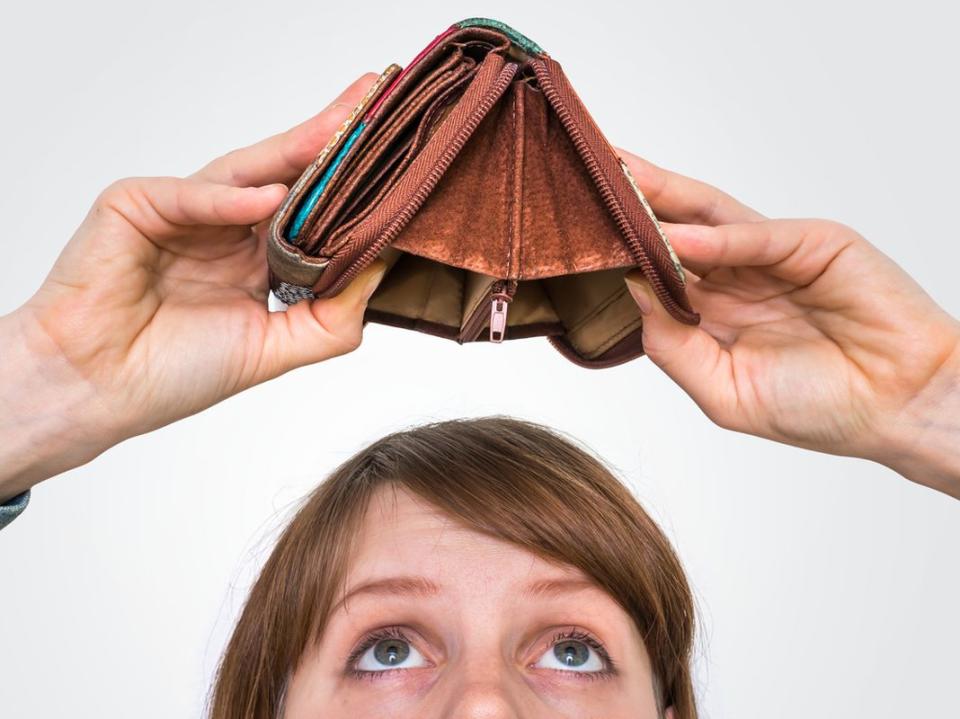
<point x="498" y="317"/>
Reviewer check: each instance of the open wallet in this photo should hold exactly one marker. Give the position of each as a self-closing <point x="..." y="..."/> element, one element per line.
<point x="500" y="208"/>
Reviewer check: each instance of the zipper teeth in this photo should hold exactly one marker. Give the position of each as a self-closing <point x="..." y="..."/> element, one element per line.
<point x="606" y="191"/>
<point x="407" y="212"/>
<point x="472" y="329"/>
<point x="501" y="289"/>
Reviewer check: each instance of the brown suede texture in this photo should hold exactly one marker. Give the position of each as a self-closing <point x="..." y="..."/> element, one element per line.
<point x="533" y="210"/>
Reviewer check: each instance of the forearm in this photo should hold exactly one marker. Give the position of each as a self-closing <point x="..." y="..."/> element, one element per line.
<point x="923" y="441"/>
<point x="46" y="410"/>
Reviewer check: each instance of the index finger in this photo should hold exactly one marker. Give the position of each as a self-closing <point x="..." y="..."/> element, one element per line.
<point x="796" y="250"/>
<point x="281" y="158"/>
<point x="677" y="198"/>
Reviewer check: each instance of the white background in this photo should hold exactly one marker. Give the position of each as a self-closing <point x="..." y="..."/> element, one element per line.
<point x="828" y="586"/>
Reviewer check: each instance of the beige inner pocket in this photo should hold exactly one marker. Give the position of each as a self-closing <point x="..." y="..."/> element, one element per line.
<point x="594" y="309"/>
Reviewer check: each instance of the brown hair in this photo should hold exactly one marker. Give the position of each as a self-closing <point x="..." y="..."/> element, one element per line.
<point x="514" y="480"/>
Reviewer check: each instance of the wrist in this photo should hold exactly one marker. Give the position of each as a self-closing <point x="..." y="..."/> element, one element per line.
<point x="48" y="413"/>
<point x="922" y="440"/>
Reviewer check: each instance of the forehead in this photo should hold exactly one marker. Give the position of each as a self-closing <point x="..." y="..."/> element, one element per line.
<point x="410" y="558"/>
<point x="404" y="534"/>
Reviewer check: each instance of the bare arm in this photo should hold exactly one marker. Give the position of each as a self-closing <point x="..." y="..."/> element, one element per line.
<point x="156" y="309"/>
<point x="809" y="335"/>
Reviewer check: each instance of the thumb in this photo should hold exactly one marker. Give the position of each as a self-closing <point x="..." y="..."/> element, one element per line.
<point x="354" y="297"/>
<point x="316" y="330"/>
<point x="687" y="353"/>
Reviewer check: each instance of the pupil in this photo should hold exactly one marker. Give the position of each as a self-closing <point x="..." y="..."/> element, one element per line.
<point x="391" y="651"/>
<point x="571" y="653"/>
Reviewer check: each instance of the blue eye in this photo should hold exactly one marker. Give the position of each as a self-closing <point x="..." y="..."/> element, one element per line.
<point x="574" y="653"/>
<point x="390" y="653"/>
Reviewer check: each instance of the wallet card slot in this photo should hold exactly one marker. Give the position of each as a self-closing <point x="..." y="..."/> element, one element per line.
<point x="379" y="142"/>
<point x="407" y="196"/>
<point x="371" y="191"/>
<point x="467" y="37"/>
<point x="292" y="214"/>
<point x="324" y="192"/>
<point x="368" y="190"/>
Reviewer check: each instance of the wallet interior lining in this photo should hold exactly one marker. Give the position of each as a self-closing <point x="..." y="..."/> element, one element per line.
<point x="532" y="209"/>
<point x="593" y="309"/>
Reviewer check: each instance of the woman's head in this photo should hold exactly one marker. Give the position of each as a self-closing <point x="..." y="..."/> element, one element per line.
<point x="469" y="568"/>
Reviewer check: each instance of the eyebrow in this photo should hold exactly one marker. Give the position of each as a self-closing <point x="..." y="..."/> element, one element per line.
<point x="392" y="586"/>
<point x="422" y="587"/>
<point x="553" y="587"/>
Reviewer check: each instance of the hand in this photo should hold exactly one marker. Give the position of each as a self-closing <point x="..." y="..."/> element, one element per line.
<point x="809" y="335"/>
<point x="156" y="308"/>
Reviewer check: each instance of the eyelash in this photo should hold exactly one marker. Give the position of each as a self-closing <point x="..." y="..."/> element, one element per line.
<point x="610" y="667"/>
<point x="367" y="642"/>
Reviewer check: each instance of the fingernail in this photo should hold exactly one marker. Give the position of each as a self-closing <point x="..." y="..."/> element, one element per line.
<point x="640" y="291"/>
<point x="277" y="187"/>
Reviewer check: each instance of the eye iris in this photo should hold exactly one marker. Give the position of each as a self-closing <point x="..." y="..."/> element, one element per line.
<point x="571" y="653"/>
<point x="391" y="651"/>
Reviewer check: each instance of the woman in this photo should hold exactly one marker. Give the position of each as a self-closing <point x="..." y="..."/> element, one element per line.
<point x="468" y="568"/>
<point x="156" y="310"/>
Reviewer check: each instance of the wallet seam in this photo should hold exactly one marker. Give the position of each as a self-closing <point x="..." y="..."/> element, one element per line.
<point x="616" y="337"/>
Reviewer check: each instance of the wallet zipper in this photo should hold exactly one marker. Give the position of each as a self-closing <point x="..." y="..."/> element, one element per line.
<point x="405" y="214"/>
<point x="609" y="194"/>
<point x="494" y="309"/>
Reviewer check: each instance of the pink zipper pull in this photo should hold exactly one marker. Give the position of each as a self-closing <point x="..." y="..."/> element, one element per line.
<point x="498" y="317"/>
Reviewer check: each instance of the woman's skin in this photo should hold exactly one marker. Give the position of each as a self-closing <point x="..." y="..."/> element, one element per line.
<point x="156" y="310"/>
<point x="809" y="334"/>
<point x="465" y="625"/>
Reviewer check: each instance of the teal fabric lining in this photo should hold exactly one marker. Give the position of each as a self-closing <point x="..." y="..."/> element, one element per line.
<point x="515" y="37"/>
<point x="315" y="193"/>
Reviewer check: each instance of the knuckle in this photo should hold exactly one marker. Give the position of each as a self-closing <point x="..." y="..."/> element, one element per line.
<point x="835" y="230"/>
<point x="116" y="189"/>
<point x="121" y="193"/>
<point x="835" y="235"/>
<point x="232" y="161"/>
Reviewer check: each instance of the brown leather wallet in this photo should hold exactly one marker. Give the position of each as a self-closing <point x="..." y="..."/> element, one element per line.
<point x="500" y="208"/>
